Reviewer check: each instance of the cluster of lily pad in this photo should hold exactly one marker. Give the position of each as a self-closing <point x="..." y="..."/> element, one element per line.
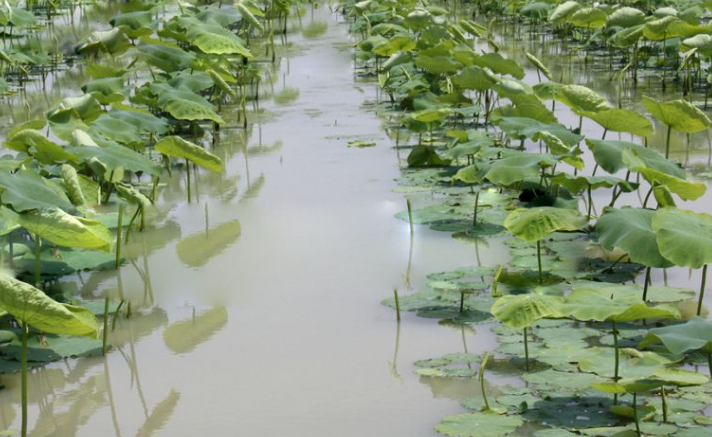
<point x="473" y="126"/>
<point x="159" y="71"/>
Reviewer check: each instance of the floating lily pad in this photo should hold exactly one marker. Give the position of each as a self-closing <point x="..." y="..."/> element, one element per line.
<point x="482" y="424"/>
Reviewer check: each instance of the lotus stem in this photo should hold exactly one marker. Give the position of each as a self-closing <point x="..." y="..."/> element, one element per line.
<point x="617" y="358"/>
<point x="395" y="296"/>
<point x="538" y="259"/>
<point x="667" y="142"/>
<point x="647" y="281"/>
<point x="702" y="289"/>
<point x="410" y="215"/>
<point x="526" y="350"/>
<point x="23" y="378"/>
<point x="187" y="166"/>
<point x="663" y="398"/>
<point x="117" y="262"/>
<point x="590" y="202"/>
<point x="38" y="249"/>
<point x="482" y="380"/>
<point x="105" y="334"/>
<point x="477" y="201"/>
<point x="635" y="413"/>
<point x="116" y="314"/>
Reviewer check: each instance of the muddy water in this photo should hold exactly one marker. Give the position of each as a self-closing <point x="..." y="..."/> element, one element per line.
<point x="256" y="306"/>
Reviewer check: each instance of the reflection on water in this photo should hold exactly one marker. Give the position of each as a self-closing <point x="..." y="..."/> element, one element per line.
<point x="186" y="335"/>
<point x="196" y="250"/>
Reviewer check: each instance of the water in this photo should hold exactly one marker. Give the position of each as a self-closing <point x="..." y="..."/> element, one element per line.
<point x="280" y="331"/>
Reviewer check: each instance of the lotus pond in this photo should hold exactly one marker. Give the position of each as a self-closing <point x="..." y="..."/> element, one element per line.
<point x="400" y="218"/>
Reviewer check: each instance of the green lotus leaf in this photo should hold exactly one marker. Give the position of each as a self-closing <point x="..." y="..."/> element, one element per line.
<point x="249" y="16"/>
<point x="625" y="17"/>
<point x="657" y="30"/>
<point x="622" y="120"/>
<point x="628" y="37"/>
<point x="533" y="224"/>
<point x="523" y="127"/>
<point x="473" y="78"/>
<point x="580" y="99"/>
<point x="72" y="185"/>
<point x="35" y="143"/>
<point x="26" y="190"/>
<point x="609" y="155"/>
<point x="564" y="11"/>
<point x="589" y="18"/>
<point x="518" y="167"/>
<point x="424" y="156"/>
<point x="143" y="121"/>
<point x="481" y="424"/>
<point x="472" y="174"/>
<point x="498" y="64"/>
<point x="576" y="184"/>
<point x="177" y="147"/>
<point x="584" y="305"/>
<point x="62" y="229"/>
<point x="539" y="65"/>
<point x="684" y="237"/>
<point x="186" y="105"/>
<point x="112" y="41"/>
<point x="438" y="64"/>
<point x="703" y="44"/>
<point x="166" y="56"/>
<point x="521" y="311"/>
<point x="631" y="230"/>
<point x="680" y="115"/>
<point x="115" y="157"/>
<point x="86" y="108"/>
<point x="33" y="307"/>
<point x="695" y="334"/>
<point x="685" y="189"/>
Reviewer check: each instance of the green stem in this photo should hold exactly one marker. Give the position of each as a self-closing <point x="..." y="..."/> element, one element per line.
<point x="538" y="258"/>
<point x="462" y="301"/>
<point x="477" y="201"/>
<point x="187" y="166"/>
<point x="482" y="380"/>
<point x="590" y="202"/>
<point x="526" y="350"/>
<point x="23" y="378"/>
<point x="38" y="249"/>
<point x="105" y="334"/>
<point x="645" y="286"/>
<point x="395" y="296"/>
<point x="663" y="397"/>
<point x="635" y="413"/>
<point x="118" y="236"/>
<point x="116" y="315"/>
<point x="617" y="358"/>
<point x="667" y="142"/>
<point x="410" y="214"/>
<point x="702" y="289"/>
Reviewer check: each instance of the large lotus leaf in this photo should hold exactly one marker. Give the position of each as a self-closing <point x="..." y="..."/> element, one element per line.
<point x="684" y="237"/>
<point x="609" y="155"/>
<point x="631" y="230"/>
<point x="625" y="17"/>
<point x="657" y="30"/>
<point x="633" y="292"/>
<point x="196" y="81"/>
<point x="438" y="64"/>
<point x="533" y="224"/>
<point x="168" y="57"/>
<point x="622" y="120"/>
<point x="692" y="335"/>
<point x="115" y="129"/>
<point x="26" y="190"/>
<point x="554" y="143"/>
<point x="539" y="65"/>
<point x="576" y="184"/>
<point x="144" y="121"/>
<point x="112" y="41"/>
<point x="528" y="128"/>
<point x="482" y="424"/>
<point x="211" y="38"/>
<point x="473" y="78"/>
<point x="177" y="147"/>
<point x="678" y="114"/>
<point x="115" y="156"/>
<point x="531" y="108"/>
<point x="186" y="105"/>
<point x="519" y="167"/>
<point x="133" y="20"/>
<point x="703" y="44"/>
<point x="589" y="305"/>
<point x="472" y="174"/>
<point x="105" y="87"/>
<point x="62" y="229"/>
<point x="628" y="37"/>
<point x="685" y="189"/>
<point x="33" y="307"/>
<point x="499" y="64"/>
<point x="580" y="99"/>
<point x="35" y="143"/>
<point x="431" y="115"/>
<point x="197" y="249"/>
<point x="521" y="311"/>
<point x="590" y="18"/>
<point x="186" y="335"/>
<point x="249" y="16"/>
<point x="86" y="108"/>
<point x="70" y="178"/>
<point x="564" y="11"/>
<point x="399" y="43"/>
